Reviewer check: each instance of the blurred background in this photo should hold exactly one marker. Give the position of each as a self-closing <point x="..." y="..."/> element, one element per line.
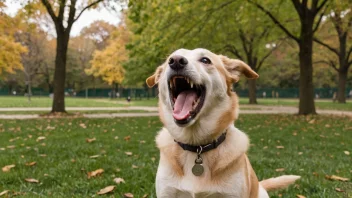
<point x="107" y="48"/>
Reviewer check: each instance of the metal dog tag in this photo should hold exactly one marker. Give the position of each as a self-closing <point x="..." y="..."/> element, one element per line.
<point x="198" y="168"/>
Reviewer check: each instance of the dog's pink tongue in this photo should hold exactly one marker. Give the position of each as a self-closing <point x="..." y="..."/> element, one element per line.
<point x="183" y="104"/>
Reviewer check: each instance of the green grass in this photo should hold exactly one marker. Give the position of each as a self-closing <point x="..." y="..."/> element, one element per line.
<point x="9" y="101"/>
<point x="20" y="101"/>
<point x="320" y="104"/>
<point x="63" y="171"/>
<point x="73" y="112"/>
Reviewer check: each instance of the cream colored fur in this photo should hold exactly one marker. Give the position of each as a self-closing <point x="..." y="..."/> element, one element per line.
<point x="228" y="173"/>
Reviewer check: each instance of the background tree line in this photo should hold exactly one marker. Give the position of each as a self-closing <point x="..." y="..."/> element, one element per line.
<point x="294" y="43"/>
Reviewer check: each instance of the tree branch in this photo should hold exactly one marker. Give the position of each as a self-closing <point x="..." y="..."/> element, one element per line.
<point x="276" y="21"/>
<point x="329" y="63"/>
<point x="234" y="51"/>
<point x="267" y="55"/>
<point x="62" y="10"/>
<point x="298" y="7"/>
<point x="71" y="16"/>
<point x="87" y="7"/>
<point x="50" y="10"/>
<point x="321" y="6"/>
<point x="319" y="21"/>
<point x="327" y="46"/>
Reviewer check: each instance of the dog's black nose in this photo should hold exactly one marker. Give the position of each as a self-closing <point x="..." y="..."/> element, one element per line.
<point x="178" y="62"/>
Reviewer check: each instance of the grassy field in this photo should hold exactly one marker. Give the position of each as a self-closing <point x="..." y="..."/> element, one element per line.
<point x="96" y="102"/>
<point x="312" y="147"/>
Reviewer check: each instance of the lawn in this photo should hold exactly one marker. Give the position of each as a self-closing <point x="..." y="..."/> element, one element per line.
<point x="312" y="147"/>
<point x="20" y="101"/>
<point x="9" y="101"/>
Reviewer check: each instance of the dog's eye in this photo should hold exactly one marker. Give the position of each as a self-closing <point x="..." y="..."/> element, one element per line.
<point x="205" y="60"/>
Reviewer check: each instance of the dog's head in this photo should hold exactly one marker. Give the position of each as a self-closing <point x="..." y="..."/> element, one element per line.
<point x="195" y="98"/>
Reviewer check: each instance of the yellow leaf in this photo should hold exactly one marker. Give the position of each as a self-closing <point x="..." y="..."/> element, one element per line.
<point x="95" y="173"/>
<point x="300" y="196"/>
<point x="31" y="180"/>
<point x="336" y="178"/>
<point x="4" y="192"/>
<point x="31" y="163"/>
<point x="8" y="168"/>
<point x="106" y="190"/>
<point x="128" y="195"/>
<point x="90" y="140"/>
<point x="94" y="156"/>
<point x="279" y="169"/>
<point x="40" y="138"/>
<point x="127" y="138"/>
<point x="339" y="190"/>
<point x="119" y="180"/>
<point x="347" y="152"/>
<point x="128" y="153"/>
<point x="280" y="147"/>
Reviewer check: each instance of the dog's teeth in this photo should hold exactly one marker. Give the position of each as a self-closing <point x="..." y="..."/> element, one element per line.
<point x="191" y="84"/>
<point x="187" y="80"/>
<point x="170" y="84"/>
<point x="174" y="81"/>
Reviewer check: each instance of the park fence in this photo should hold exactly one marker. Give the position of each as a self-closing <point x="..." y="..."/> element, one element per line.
<point x="139" y="93"/>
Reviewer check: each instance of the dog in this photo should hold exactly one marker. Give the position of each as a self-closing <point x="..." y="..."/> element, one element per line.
<point x="202" y="154"/>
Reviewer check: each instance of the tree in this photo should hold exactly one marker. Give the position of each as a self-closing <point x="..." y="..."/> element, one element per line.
<point x="63" y="14"/>
<point x="341" y="18"/>
<point x="10" y="51"/>
<point x="308" y="11"/>
<point x="161" y="27"/>
<point x="99" y="32"/>
<point x="107" y="63"/>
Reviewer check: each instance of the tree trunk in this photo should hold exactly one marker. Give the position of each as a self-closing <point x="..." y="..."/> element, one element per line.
<point x="341" y="96"/>
<point x="306" y="88"/>
<point x="29" y="92"/>
<point x="252" y="91"/>
<point x="60" y="73"/>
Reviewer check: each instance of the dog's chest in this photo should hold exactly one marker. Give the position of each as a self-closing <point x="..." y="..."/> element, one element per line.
<point x="204" y="186"/>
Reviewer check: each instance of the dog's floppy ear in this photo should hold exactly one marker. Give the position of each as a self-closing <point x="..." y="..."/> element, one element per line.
<point x="154" y="79"/>
<point x="237" y="67"/>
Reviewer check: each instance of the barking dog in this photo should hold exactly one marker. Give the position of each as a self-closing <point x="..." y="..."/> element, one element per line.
<point x="202" y="154"/>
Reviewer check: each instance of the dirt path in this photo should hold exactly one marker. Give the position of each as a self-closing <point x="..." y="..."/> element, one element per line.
<point x="247" y="109"/>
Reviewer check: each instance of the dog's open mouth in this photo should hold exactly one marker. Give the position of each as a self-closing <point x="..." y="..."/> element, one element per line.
<point x="187" y="98"/>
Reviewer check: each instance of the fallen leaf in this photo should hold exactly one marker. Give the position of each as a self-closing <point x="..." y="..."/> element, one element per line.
<point x="42" y="155"/>
<point x="280" y="147"/>
<point x="336" y="178"/>
<point x="312" y="121"/>
<point x="128" y="153"/>
<point x="94" y="156"/>
<point x="300" y="196"/>
<point x="31" y="180"/>
<point x="83" y="125"/>
<point x="11" y="146"/>
<point x="31" y="163"/>
<point x="106" y="190"/>
<point x="4" y="192"/>
<point x="90" y="140"/>
<point x="127" y="138"/>
<point x="142" y="141"/>
<point x="279" y="169"/>
<point x="347" y="152"/>
<point x="40" y="138"/>
<point x="119" y="180"/>
<point x="145" y="196"/>
<point x="134" y="166"/>
<point x="128" y="195"/>
<point x="300" y="153"/>
<point x="95" y="173"/>
<point x="339" y="190"/>
<point x="116" y="137"/>
<point x="8" y="168"/>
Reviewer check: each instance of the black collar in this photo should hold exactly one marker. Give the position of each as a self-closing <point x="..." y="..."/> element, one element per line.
<point x="203" y="148"/>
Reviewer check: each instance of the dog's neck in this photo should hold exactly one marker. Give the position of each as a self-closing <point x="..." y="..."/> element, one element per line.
<point x="205" y="147"/>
